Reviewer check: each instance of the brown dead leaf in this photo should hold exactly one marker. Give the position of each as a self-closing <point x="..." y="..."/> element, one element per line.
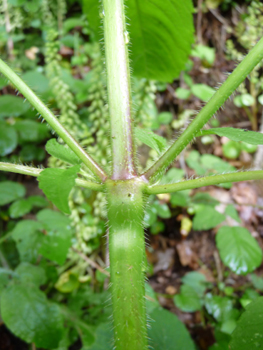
<point x="186" y="255"/>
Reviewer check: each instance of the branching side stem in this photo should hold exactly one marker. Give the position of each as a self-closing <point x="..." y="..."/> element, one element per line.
<point x="52" y="121"/>
<point x="219" y="98"/>
<point x="25" y="170"/>
<point x="205" y="181"/>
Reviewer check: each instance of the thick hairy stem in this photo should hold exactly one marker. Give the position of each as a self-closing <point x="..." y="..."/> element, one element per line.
<point x="205" y="181"/>
<point x="127" y="263"/>
<point x="52" y="121"/>
<point x="119" y="90"/>
<point x="25" y="170"/>
<point x="219" y="98"/>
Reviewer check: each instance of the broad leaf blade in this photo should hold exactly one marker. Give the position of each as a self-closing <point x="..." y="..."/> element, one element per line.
<point x="251" y="137"/>
<point x="30" y="316"/>
<point x="57" y="184"/>
<point x="167" y="332"/>
<point x="161" y="34"/>
<point x="61" y="152"/>
<point x="248" y="333"/>
<point x="207" y="218"/>
<point x="238" y="249"/>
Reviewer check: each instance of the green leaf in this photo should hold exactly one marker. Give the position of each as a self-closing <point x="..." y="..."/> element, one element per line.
<point x="155" y="54"/>
<point x="10" y="191"/>
<point x="165" y="118"/>
<point x="195" y="280"/>
<point x="232" y="212"/>
<point x="61" y="152"/>
<point x="182" y="94"/>
<point x="173" y="175"/>
<point x="204" y="53"/>
<point x="19" y="208"/>
<point x="205" y="199"/>
<point x="3" y="82"/>
<point x="38" y="201"/>
<point x="8" y="139"/>
<point x="207" y="218"/>
<point x="57" y="241"/>
<point x="251" y="137"/>
<point x="31" y="274"/>
<point x="36" y="81"/>
<point x="162" y="210"/>
<point x="149" y="138"/>
<point x="209" y="161"/>
<point x="248" y="333"/>
<point x="57" y="184"/>
<point x="257" y="281"/>
<point x="67" y="282"/>
<point x="167" y="332"/>
<point x="188" y="300"/>
<point x="103" y="338"/>
<point x="202" y="91"/>
<point x="31" y="131"/>
<point x="12" y="106"/>
<point x="231" y="149"/>
<point x="238" y="249"/>
<point x="27" y="236"/>
<point x="193" y="161"/>
<point x="30" y="316"/>
<point x="221" y="308"/>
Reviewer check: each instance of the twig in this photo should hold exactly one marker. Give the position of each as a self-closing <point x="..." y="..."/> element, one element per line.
<point x="91" y="262"/>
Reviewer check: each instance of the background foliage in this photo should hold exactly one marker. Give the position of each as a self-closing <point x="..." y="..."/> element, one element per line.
<point x="53" y="275"/>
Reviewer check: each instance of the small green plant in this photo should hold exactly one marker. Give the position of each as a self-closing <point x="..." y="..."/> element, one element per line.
<point x="156" y="54"/>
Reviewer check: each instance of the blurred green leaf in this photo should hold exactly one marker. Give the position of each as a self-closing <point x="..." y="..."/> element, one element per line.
<point x="195" y="280"/>
<point x="10" y="191"/>
<point x="251" y="137"/>
<point x="207" y="218"/>
<point x="31" y="274"/>
<point x="188" y="300"/>
<point x="248" y="333"/>
<point x="54" y="245"/>
<point x="30" y="316"/>
<point x="19" y="208"/>
<point x="238" y="249"/>
<point x="202" y="91"/>
<point x="182" y="94"/>
<point x="8" y="139"/>
<point x="31" y="131"/>
<point x="27" y="236"/>
<point x="12" y="106"/>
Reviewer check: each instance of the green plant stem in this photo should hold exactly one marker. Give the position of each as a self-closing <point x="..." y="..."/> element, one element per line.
<point x="127" y="263"/>
<point x="119" y="90"/>
<point x="218" y="99"/>
<point x="52" y="121"/>
<point x="25" y="170"/>
<point x="205" y="181"/>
